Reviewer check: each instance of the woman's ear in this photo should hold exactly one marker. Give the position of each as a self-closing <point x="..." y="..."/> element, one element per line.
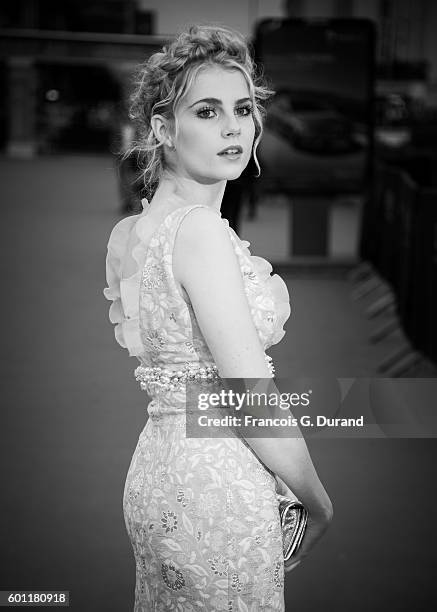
<point x="161" y="129"/>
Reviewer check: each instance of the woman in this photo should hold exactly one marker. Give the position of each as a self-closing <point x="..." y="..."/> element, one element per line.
<point x="191" y="303"/>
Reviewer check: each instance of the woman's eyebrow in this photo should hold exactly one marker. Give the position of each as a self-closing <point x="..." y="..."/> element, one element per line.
<point x="218" y="102"/>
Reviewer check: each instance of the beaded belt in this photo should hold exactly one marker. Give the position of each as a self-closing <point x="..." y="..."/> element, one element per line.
<point x="155" y="379"/>
<point x="162" y="379"/>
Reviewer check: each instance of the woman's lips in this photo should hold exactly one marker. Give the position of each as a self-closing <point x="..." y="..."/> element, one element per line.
<point x="231" y="152"/>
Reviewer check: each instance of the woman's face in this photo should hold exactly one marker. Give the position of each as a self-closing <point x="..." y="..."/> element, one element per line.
<point x="215" y="114"/>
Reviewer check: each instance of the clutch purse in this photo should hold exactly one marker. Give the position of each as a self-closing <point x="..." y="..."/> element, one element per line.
<point x="293" y="515"/>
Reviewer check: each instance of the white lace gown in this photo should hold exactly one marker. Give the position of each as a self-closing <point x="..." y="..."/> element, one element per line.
<point x="201" y="513"/>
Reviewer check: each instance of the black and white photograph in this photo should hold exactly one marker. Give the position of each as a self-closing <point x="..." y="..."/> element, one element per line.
<point x="219" y="263"/>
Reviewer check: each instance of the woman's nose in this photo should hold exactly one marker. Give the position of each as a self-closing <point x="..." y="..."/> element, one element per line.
<point x="231" y="126"/>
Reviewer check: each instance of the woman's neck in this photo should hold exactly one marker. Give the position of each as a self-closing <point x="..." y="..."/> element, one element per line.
<point x="190" y="191"/>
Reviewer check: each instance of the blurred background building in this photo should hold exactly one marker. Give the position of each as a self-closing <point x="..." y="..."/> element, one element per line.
<point x="62" y="64"/>
<point x="65" y="70"/>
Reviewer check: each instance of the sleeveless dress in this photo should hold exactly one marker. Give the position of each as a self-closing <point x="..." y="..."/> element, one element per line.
<point x="201" y="514"/>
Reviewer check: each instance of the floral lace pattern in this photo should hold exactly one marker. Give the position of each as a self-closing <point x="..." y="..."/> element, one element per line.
<point x="201" y="514"/>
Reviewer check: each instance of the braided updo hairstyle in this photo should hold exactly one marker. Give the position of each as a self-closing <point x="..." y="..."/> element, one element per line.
<point x="164" y="78"/>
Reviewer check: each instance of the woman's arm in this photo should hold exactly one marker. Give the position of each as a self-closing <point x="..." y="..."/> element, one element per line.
<point x="205" y="264"/>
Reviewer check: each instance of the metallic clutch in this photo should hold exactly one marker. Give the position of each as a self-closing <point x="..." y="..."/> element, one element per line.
<point x="293" y="515"/>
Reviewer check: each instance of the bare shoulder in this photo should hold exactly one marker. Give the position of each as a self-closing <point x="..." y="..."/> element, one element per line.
<point x="201" y="224"/>
<point x="202" y="240"/>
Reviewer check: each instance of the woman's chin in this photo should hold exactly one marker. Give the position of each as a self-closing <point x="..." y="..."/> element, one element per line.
<point x="229" y="175"/>
<point x="233" y="174"/>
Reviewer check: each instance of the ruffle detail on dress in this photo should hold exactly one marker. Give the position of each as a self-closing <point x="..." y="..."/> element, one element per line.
<point x="282" y="301"/>
<point x="274" y="304"/>
<point x="124" y="310"/>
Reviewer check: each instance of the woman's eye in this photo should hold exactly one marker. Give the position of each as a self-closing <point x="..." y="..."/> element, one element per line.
<point x="203" y="113"/>
<point x="209" y="112"/>
<point x="244" y="110"/>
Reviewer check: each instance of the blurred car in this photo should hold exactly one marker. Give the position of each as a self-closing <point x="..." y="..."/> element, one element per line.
<point x="312" y="125"/>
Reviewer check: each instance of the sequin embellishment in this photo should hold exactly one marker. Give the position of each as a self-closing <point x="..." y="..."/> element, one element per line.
<point x="153" y="276"/>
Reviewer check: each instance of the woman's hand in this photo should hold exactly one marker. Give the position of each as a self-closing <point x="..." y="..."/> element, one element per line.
<point x="315" y="528"/>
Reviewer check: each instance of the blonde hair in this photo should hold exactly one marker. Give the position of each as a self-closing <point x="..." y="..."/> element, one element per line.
<point x="164" y="78"/>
